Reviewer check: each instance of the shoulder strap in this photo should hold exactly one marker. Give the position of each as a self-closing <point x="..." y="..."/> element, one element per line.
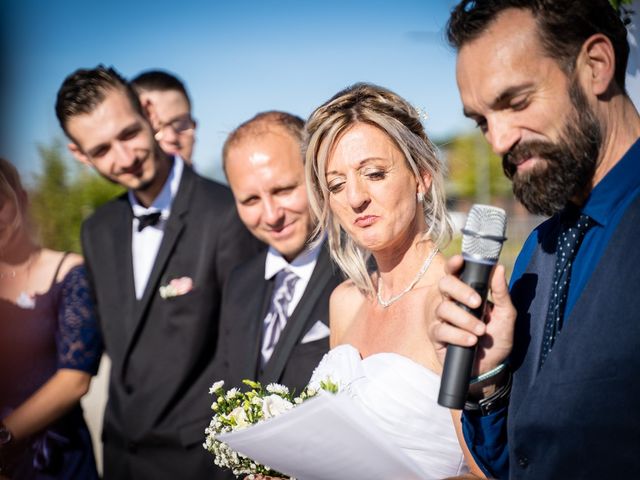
<point x="55" y="275"/>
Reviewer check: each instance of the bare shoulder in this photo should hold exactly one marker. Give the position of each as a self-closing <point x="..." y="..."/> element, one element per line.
<point x="346" y="297"/>
<point x="346" y="300"/>
<point x="66" y="262"/>
<point x="344" y="292"/>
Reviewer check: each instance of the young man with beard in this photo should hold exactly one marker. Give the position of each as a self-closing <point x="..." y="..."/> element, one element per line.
<point x="544" y="80"/>
<point x="157" y="258"/>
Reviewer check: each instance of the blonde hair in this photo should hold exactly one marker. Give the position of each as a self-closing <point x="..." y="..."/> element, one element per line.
<point x="11" y="190"/>
<point x="381" y="108"/>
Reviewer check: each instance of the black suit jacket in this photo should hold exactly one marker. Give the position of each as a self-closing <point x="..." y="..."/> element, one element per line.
<point x="246" y="301"/>
<point x="162" y="349"/>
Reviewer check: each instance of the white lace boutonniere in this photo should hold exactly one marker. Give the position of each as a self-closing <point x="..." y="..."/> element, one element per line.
<point x="176" y="287"/>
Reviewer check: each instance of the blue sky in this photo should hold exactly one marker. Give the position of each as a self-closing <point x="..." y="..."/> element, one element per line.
<point x="237" y="58"/>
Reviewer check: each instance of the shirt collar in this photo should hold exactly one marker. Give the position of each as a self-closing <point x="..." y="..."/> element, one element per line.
<point x="163" y="201"/>
<point x="302" y="265"/>
<point x="621" y="180"/>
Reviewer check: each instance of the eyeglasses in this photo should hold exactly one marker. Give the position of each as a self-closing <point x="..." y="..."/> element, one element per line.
<point x="181" y="125"/>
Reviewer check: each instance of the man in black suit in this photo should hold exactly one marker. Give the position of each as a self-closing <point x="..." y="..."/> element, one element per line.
<point x="264" y="166"/>
<point x="157" y="258"/>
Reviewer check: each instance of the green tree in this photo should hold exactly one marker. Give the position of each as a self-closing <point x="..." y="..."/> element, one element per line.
<point x="63" y="196"/>
<point x="475" y="172"/>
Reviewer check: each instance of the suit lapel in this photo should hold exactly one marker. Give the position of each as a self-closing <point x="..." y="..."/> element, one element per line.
<point x="257" y="308"/>
<point x="299" y="319"/>
<point x="172" y="232"/>
<point x="121" y="225"/>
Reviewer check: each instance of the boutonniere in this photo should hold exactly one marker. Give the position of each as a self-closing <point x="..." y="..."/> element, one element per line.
<point x="176" y="287"/>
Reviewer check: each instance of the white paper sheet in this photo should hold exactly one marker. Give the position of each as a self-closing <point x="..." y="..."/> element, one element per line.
<point x="325" y="438"/>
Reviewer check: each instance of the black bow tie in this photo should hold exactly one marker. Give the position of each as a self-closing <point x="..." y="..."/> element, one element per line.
<point x="150" y="219"/>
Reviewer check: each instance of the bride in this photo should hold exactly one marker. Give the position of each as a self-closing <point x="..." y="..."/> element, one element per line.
<point x="376" y="188"/>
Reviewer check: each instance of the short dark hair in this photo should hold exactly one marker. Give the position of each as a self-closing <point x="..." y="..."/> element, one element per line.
<point x="85" y="89"/>
<point x="564" y="26"/>
<point x="159" y="80"/>
<point x="292" y="124"/>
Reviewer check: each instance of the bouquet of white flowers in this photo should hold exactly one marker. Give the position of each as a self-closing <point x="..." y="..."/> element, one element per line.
<point x="235" y="410"/>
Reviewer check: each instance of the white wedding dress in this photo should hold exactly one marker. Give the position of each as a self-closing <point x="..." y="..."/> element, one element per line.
<point x="400" y="397"/>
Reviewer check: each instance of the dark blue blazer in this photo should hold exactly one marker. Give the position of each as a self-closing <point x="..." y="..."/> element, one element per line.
<point x="579" y="417"/>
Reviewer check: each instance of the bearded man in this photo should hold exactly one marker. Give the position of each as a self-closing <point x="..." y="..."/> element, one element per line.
<point x="559" y="354"/>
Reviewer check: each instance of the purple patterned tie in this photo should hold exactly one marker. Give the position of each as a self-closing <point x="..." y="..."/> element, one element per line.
<point x="276" y="319"/>
<point x="569" y="242"/>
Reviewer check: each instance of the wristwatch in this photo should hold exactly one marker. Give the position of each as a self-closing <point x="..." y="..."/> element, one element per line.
<point x="492" y="403"/>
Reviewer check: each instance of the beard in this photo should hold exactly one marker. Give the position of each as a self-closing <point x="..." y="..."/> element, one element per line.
<point x="569" y="163"/>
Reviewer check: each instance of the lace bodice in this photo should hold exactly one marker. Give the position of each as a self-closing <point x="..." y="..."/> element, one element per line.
<point x="78" y="339"/>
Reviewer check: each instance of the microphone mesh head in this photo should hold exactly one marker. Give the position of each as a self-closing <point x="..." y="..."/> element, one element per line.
<point x="483" y="233"/>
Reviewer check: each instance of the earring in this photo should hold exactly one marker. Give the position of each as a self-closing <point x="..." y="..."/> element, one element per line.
<point x="420" y="197"/>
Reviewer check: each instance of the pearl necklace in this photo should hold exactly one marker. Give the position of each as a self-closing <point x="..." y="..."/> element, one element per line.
<point x="10" y="274"/>
<point x="395" y="298"/>
<point x="24" y="300"/>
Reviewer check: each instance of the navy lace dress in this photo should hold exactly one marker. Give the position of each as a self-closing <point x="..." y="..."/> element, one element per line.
<point x="51" y="331"/>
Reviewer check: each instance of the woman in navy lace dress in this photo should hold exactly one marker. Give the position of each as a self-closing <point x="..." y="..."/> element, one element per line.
<point x="50" y="347"/>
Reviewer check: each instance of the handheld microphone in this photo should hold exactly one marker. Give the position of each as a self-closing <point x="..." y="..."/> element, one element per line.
<point x="482" y="238"/>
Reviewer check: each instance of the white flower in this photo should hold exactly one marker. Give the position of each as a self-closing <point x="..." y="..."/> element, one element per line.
<point x="277" y="388"/>
<point x="232" y="393"/>
<point x="177" y="286"/>
<point x="240" y="416"/>
<point x="236" y="410"/>
<point x="216" y="386"/>
<point x="167" y="291"/>
<point x="275" y="405"/>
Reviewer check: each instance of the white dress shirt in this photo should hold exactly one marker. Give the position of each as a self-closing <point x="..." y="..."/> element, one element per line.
<point x="146" y="243"/>
<point x="302" y="266"/>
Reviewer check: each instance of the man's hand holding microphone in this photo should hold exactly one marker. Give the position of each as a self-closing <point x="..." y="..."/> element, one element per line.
<point x="473" y="341"/>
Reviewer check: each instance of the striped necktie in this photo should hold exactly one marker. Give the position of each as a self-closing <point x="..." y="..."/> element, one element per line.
<point x="277" y="317"/>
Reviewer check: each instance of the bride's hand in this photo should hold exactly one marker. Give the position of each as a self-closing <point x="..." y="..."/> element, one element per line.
<point x="455" y="326"/>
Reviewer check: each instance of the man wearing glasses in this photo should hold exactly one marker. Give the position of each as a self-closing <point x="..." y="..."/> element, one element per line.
<point x="166" y="101"/>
